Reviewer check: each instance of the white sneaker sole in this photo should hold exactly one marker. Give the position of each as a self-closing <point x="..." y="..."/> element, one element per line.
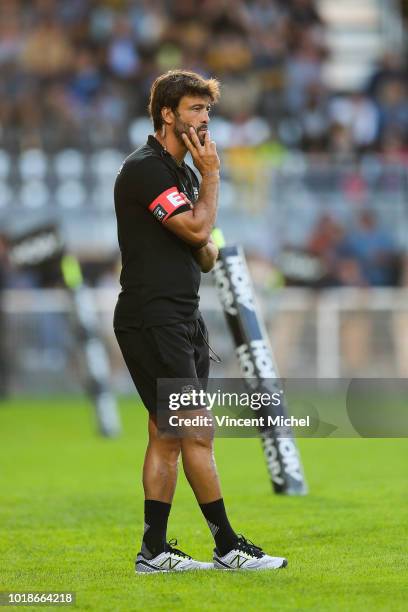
<point x="223" y="567"/>
<point x="145" y="568"/>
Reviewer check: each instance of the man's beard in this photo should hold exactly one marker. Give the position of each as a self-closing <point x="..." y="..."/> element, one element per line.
<point x="184" y="128"/>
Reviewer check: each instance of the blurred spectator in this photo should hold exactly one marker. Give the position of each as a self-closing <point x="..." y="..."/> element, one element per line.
<point x="47" y="50"/>
<point x="11" y="38"/>
<point x="372" y="249"/>
<point x="303" y="71"/>
<point x="361" y="255"/>
<point x="123" y="59"/>
<point x="359" y="115"/>
<point x="324" y="242"/>
<point x="388" y="88"/>
<point x="394" y="107"/>
<point x="86" y="80"/>
<point x="315" y="120"/>
<point x="389" y="68"/>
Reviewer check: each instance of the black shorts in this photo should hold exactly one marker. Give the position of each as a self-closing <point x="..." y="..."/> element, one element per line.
<point x="177" y="351"/>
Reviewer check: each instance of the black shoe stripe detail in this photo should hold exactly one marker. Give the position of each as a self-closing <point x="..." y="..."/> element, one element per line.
<point x="224" y="564"/>
<point x="158" y="569"/>
<point x="284" y="564"/>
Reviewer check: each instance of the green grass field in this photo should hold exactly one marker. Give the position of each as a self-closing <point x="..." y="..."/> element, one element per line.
<point x="71" y="518"/>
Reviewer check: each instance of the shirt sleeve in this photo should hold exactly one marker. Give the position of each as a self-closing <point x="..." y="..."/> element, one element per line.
<point x="155" y="188"/>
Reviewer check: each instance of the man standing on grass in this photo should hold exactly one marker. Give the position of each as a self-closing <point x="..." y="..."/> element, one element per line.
<point x="165" y="217"/>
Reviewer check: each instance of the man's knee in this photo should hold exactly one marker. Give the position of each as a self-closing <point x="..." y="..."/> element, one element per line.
<point x="171" y="455"/>
<point x="167" y="448"/>
<point x="197" y="442"/>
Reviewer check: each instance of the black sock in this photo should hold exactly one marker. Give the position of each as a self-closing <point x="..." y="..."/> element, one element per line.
<point x="224" y="535"/>
<point x="156" y="514"/>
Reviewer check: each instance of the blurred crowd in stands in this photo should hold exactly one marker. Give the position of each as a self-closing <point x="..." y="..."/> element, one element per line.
<point x="364" y="256"/>
<point x="77" y="74"/>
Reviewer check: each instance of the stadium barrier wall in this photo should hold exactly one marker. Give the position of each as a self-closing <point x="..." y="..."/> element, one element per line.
<point x="327" y="334"/>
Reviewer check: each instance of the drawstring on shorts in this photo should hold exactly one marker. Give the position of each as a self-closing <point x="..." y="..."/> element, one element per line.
<point x="214" y="357"/>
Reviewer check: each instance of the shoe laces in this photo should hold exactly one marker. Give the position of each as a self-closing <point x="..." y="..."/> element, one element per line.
<point x="175" y="551"/>
<point x="249" y="547"/>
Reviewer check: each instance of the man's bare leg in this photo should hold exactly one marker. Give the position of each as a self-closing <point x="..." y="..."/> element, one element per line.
<point x="200" y="469"/>
<point x="160" y="465"/>
<point x="232" y="551"/>
<point x="159" y="483"/>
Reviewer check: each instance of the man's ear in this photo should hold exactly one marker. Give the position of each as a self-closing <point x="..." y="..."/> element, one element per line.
<point x="167" y="115"/>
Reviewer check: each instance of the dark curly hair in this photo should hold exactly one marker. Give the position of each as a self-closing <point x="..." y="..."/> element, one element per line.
<point x="169" y="88"/>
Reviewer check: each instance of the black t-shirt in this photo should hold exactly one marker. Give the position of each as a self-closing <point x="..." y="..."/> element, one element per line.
<point x="160" y="278"/>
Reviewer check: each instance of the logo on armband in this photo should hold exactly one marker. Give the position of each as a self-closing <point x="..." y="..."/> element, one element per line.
<point x="159" y="212"/>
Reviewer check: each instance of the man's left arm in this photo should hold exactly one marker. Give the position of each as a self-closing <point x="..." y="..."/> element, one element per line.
<point x="206" y="256"/>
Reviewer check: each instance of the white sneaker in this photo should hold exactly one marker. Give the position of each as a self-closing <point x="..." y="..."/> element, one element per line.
<point x="171" y="560"/>
<point x="246" y="556"/>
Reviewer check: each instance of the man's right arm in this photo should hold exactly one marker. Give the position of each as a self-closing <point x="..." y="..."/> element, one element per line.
<point x="195" y="226"/>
